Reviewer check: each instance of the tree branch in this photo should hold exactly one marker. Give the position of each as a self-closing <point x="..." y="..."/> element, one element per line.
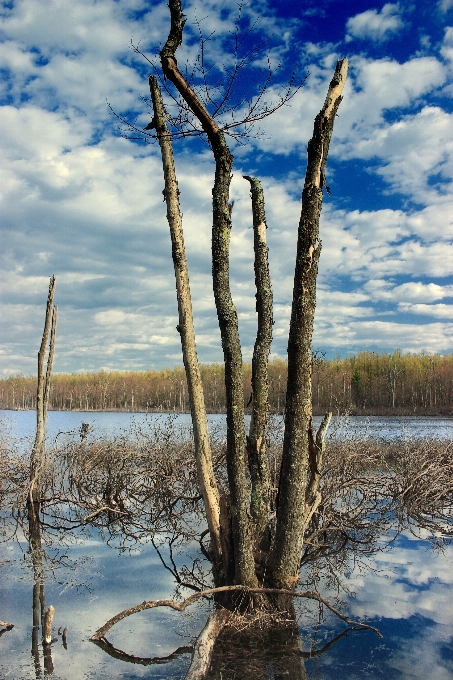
<point x="181" y="606"/>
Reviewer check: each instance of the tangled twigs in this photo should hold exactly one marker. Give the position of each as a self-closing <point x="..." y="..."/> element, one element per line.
<point x="181" y="606"/>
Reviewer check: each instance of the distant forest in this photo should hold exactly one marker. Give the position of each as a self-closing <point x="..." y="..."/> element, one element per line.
<point x="367" y="383"/>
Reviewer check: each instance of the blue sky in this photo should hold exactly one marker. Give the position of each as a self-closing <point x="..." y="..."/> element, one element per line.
<point x="84" y="203"/>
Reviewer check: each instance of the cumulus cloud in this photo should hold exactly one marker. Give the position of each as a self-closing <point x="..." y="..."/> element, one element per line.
<point x="374" y="25"/>
<point x="80" y="201"/>
<point x="439" y="311"/>
<point x="412" y="291"/>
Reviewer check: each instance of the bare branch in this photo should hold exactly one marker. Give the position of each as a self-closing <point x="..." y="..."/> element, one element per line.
<point x="181" y="606"/>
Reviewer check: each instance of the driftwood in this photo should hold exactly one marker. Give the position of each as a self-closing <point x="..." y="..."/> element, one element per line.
<point x="47" y="625"/>
<point x="6" y="627"/>
<point x="181" y="606"/>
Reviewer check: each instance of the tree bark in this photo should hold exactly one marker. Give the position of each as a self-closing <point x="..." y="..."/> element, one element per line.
<point x="206" y="477"/>
<point x="256" y="441"/>
<point x="43" y="389"/>
<point x="298" y="437"/>
<point x="204" y="646"/>
<point x="312" y="494"/>
<point x="226" y="312"/>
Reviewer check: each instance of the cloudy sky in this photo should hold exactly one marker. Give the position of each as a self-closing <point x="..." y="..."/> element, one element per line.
<point x="84" y="202"/>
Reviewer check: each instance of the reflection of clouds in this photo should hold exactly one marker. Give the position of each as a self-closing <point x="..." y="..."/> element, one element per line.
<point x="411" y="582"/>
<point x="408" y="597"/>
<point x="407" y="582"/>
<point x="121" y="581"/>
<point x="424" y="659"/>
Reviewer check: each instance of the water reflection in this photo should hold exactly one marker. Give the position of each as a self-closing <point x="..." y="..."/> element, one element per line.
<point x="407" y="597"/>
<point x="404" y="593"/>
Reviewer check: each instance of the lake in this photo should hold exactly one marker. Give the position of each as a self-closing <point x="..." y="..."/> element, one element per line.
<point x="407" y="593"/>
<point x="20" y="425"/>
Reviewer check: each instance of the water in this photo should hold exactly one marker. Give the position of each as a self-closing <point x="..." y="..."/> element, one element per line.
<point x="20" y="425"/>
<point x="408" y="598"/>
<point x="407" y="593"/>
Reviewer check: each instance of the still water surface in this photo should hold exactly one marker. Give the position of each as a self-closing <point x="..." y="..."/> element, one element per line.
<point x="21" y="424"/>
<point x="408" y="595"/>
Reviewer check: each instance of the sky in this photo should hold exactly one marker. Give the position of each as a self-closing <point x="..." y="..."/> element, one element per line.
<point x="82" y="196"/>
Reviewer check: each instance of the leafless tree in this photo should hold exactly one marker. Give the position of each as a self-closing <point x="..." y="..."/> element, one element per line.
<point x="252" y="545"/>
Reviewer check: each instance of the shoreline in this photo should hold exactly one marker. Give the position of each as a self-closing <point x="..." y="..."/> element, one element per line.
<point x="356" y="413"/>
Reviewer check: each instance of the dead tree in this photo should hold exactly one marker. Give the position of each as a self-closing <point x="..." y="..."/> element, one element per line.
<point x="298" y="444"/>
<point x="43" y="393"/>
<point x="242" y="539"/>
<point x="41" y="615"/>
<point x="256" y="440"/>
<point x="260" y="552"/>
<point x="299" y="449"/>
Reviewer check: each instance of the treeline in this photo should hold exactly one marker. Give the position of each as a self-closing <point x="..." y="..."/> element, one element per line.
<point x="366" y="383"/>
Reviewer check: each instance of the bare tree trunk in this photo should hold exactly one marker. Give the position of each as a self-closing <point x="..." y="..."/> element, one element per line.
<point x="36" y="463"/>
<point x="226" y="312"/>
<point x="206" y="478"/>
<point x="298" y="438"/>
<point x="312" y="495"/>
<point x="43" y="388"/>
<point x="256" y="441"/>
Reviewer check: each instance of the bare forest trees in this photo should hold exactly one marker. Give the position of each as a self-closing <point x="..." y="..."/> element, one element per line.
<point x="358" y="384"/>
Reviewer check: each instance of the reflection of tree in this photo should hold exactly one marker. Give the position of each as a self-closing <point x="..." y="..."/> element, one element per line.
<point x="233" y="646"/>
<point x="260" y="640"/>
<point x="140" y="660"/>
<point x="42" y="617"/>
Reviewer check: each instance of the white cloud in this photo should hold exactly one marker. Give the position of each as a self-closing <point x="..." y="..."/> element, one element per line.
<point x="445" y="5"/>
<point x="447" y="46"/>
<point x="439" y="311"/>
<point x="371" y="244"/>
<point x="374" y="25"/>
<point x="416" y="153"/>
<point x="83" y="203"/>
<point x="413" y="291"/>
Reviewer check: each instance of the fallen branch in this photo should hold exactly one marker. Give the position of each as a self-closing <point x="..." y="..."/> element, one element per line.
<point x="204" y="647"/>
<point x="151" y="604"/>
